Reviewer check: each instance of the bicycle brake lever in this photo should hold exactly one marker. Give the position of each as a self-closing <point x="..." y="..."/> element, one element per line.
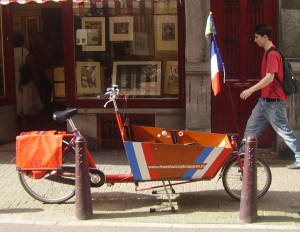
<point x="107" y="103"/>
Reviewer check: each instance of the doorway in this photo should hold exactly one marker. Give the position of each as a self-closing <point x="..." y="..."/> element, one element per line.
<point x="41" y="26"/>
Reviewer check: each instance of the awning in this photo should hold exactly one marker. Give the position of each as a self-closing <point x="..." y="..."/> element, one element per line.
<point x="4" y="2"/>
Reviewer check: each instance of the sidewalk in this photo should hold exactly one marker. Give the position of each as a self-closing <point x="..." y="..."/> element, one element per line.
<point x="201" y="206"/>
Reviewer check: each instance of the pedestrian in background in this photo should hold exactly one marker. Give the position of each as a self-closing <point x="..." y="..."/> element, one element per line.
<point x="28" y="101"/>
<point x="271" y="106"/>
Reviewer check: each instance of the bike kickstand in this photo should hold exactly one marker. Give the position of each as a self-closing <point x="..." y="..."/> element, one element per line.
<point x="170" y="204"/>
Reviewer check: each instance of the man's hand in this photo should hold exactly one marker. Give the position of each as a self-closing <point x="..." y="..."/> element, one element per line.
<point x="245" y="94"/>
<point x="259" y="85"/>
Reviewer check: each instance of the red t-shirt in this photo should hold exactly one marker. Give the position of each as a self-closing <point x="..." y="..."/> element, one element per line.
<point x="273" y="64"/>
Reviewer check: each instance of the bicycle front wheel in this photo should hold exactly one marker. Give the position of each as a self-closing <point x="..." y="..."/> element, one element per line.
<point x="232" y="178"/>
<point x="52" y="188"/>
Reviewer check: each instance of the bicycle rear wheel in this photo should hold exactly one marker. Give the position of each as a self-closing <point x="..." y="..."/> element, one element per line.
<point x="54" y="187"/>
<point x="232" y="178"/>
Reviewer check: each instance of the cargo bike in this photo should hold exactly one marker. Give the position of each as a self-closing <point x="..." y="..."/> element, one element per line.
<point x="46" y="159"/>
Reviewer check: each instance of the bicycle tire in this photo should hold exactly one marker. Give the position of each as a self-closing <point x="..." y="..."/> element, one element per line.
<point x="232" y="178"/>
<point x="49" y="191"/>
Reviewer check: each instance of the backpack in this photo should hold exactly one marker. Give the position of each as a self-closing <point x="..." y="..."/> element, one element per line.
<point x="26" y="73"/>
<point x="290" y="84"/>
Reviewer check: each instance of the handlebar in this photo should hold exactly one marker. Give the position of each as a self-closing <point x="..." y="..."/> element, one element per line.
<point x="113" y="89"/>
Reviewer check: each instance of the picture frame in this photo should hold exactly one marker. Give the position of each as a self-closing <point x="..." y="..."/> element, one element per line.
<point x="88" y="79"/>
<point x="121" y="28"/>
<point x="138" y="78"/>
<point x="17" y="24"/>
<point x="94" y="28"/>
<point x="32" y="27"/>
<point x="171" y="78"/>
<point x="166" y="32"/>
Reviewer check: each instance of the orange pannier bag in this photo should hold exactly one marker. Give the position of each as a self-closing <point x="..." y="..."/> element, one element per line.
<point x="39" y="152"/>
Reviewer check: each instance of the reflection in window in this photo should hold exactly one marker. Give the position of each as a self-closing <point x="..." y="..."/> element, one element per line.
<point x="121" y="39"/>
<point x="2" y="92"/>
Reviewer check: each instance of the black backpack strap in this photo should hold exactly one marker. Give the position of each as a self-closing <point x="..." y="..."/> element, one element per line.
<point x="275" y="49"/>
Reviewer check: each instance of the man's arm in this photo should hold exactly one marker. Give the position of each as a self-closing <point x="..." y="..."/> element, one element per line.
<point x="259" y="85"/>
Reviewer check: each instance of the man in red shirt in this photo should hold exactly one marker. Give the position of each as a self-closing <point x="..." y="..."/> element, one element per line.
<point x="271" y="106"/>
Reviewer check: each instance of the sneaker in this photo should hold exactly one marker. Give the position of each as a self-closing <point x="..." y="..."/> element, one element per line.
<point x="295" y="165"/>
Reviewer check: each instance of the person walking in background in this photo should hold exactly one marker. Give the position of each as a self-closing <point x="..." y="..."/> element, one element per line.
<point x="271" y="106"/>
<point x="28" y="101"/>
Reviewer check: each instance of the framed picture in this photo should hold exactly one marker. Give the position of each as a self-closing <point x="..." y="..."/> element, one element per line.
<point x="165" y="7"/>
<point x="138" y="78"/>
<point x="166" y="32"/>
<point x="17" y="24"/>
<point x="88" y="79"/>
<point x="94" y="30"/>
<point x="171" y="79"/>
<point x="121" y="28"/>
<point x="32" y="27"/>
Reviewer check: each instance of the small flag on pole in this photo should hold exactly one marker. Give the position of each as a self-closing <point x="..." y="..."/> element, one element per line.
<point x="210" y="27"/>
<point x="216" y="66"/>
<point x="216" y="60"/>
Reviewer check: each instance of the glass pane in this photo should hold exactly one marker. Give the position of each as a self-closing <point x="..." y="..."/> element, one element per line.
<point x="130" y="43"/>
<point x="2" y="89"/>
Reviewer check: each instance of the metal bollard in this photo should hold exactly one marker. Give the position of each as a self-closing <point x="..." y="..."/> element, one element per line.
<point x="83" y="198"/>
<point x="248" y="204"/>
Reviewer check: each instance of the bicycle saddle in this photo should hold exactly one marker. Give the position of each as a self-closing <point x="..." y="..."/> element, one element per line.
<point x="61" y="116"/>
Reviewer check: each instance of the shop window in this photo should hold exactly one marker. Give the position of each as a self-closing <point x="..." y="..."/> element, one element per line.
<point x="2" y="89"/>
<point x="131" y="43"/>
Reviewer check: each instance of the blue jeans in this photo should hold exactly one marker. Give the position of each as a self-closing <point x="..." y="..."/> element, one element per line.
<point x="274" y="113"/>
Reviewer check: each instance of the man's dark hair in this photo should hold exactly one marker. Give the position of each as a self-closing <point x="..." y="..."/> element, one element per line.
<point x="264" y="29"/>
<point x="18" y="40"/>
